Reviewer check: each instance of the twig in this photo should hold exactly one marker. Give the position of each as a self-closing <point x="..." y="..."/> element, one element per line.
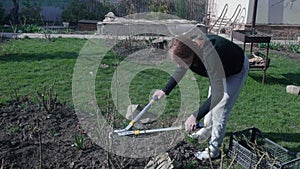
<point x="259" y="161"/>
<point x="40" y="150"/>
<point x="110" y="164"/>
<point x="47" y="100"/>
<point x="254" y="146"/>
<point x="233" y="159"/>
<point x="210" y="161"/>
<point x="222" y="157"/>
<point x="273" y="163"/>
<point x="14" y="29"/>
<point x="2" y="163"/>
<point x="47" y="33"/>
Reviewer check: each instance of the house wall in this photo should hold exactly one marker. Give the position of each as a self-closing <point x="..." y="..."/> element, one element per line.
<point x="215" y="7"/>
<point x="277" y="12"/>
<point x="272" y="12"/>
<point x="278" y="18"/>
<point x="291" y="12"/>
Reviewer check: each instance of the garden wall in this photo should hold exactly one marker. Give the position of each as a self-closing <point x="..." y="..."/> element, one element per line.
<point x="279" y="32"/>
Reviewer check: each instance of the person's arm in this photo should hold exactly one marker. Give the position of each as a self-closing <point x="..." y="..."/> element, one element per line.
<point x="191" y="122"/>
<point x="174" y="79"/>
<point x="203" y="109"/>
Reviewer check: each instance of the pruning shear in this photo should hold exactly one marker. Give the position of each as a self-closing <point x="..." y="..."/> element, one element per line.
<point x="127" y="132"/>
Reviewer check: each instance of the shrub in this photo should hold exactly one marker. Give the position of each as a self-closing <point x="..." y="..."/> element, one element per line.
<point x="159" y="6"/>
<point x="75" y="11"/>
<point x="78" y="10"/>
<point x="30" y="28"/>
<point x="2" y="14"/>
<point x="295" y="48"/>
<point x="99" y="11"/>
<point x="180" y="8"/>
<point x="275" y="45"/>
<point x="31" y="13"/>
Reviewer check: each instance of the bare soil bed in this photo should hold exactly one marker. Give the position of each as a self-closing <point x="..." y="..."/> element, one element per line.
<point x="31" y="137"/>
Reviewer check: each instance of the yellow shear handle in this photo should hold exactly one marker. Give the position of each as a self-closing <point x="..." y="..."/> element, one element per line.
<point x="136" y="132"/>
<point x="132" y="122"/>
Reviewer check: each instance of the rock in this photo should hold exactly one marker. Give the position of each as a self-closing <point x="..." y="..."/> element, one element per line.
<point x="72" y="164"/>
<point x="109" y="17"/>
<point x="140" y="126"/>
<point x="293" y="89"/>
<point x="162" y="161"/>
<point x="104" y="66"/>
<point x="134" y="109"/>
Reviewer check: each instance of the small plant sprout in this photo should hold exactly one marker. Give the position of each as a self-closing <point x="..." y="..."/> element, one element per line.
<point x="79" y="141"/>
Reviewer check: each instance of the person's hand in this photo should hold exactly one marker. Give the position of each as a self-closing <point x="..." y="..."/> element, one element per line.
<point x="159" y="94"/>
<point x="190" y="123"/>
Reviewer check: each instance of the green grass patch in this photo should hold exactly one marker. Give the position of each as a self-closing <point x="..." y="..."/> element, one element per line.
<point x="268" y="107"/>
<point x="29" y="64"/>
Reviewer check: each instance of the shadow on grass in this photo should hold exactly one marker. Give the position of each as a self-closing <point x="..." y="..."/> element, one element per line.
<point x="28" y="57"/>
<point x="282" y="137"/>
<point x="286" y="137"/>
<point x="287" y="78"/>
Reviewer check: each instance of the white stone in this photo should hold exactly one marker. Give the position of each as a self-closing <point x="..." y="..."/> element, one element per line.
<point x="161" y="161"/>
<point x="134" y="109"/>
<point x="293" y="89"/>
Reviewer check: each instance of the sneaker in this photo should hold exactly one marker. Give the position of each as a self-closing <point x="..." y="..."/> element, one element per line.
<point x="208" y="153"/>
<point x="202" y="135"/>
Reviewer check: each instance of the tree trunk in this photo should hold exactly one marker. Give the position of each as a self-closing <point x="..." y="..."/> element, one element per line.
<point x="15" y="12"/>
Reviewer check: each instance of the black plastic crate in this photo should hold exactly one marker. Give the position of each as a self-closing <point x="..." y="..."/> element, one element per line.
<point x="252" y="150"/>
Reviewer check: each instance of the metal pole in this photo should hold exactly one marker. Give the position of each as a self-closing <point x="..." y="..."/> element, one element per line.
<point x="138" y="132"/>
<point x="254" y="16"/>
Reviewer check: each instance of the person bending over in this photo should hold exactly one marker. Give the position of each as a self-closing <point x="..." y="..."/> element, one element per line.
<point x="187" y="53"/>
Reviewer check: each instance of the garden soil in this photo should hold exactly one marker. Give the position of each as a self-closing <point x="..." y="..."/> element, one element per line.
<point x="33" y="137"/>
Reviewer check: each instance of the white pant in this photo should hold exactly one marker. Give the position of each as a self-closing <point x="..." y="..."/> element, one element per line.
<point x="216" y="119"/>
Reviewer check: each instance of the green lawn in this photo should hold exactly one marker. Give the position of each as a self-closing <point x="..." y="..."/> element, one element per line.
<point x="268" y="107"/>
<point x="30" y="64"/>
